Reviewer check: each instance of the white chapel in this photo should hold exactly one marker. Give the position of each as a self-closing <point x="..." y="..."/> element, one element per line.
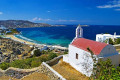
<point x="80" y="58"/>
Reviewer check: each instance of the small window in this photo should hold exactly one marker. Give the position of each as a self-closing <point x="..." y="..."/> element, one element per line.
<point x="76" y="56"/>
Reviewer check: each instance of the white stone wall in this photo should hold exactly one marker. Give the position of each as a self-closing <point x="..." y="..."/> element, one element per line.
<point x="84" y="63"/>
<point x="66" y="58"/>
<point x="100" y="38"/>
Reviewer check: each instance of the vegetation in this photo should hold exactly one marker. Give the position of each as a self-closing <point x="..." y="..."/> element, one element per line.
<point x="116" y="41"/>
<point x="29" y="62"/>
<point x="66" y="52"/>
<point x="104" y="70"/>
<point x="51" y="56"/>
<point x="13" y="31"/>
<point x="4" y="65"/>
<point x="107" y="71"/>
<point x="37" y="52"/>
<point x="110" y="41"/>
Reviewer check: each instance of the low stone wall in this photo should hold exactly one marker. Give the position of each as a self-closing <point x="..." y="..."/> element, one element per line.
<point x="1" y="72"/>
<point x="17" y="73"/>
<point x="50" y="72"/>
<point x="43" y="68"/>
<point x="54" y="61"/>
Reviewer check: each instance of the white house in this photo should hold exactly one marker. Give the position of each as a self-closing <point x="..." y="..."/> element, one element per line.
<point x="103" y="37"/>
<point x="80" y="58"/>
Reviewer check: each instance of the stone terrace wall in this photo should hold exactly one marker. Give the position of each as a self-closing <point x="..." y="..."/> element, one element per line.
<point x="17" y="73"/>
<point x="50" y="72"/>
<point x="54" y="61"/>
<point x="43" y="68"/>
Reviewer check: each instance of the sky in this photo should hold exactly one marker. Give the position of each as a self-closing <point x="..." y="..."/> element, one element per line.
<point x="92" y="12"/>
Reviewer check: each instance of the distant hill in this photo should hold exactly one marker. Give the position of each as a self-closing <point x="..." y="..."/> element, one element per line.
<point x="21" y="24"/>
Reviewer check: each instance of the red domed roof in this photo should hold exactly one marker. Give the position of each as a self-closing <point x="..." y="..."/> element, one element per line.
<point x="83" y="43"/>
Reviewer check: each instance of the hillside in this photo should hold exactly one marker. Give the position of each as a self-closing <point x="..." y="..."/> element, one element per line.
<point x="21" y="24"/>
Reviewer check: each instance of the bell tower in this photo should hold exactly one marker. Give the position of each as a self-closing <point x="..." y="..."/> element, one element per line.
<point x="79" y="32"/>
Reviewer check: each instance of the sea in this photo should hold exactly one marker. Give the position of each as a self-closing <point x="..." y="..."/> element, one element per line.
<point x="63" y="35"/>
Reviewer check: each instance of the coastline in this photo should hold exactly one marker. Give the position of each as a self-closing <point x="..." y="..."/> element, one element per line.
<point x="31" y="43"/>
<point x="19" y="40"/>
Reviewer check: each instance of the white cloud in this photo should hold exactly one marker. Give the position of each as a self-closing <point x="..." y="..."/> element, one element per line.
<point x="1" y="13"/>
<point x="58" y="20"/>
<point x="111" y="4"/>
<point x="34" y="19"/>
<point x="117" y="9"/>
<point x="40" y="19"/>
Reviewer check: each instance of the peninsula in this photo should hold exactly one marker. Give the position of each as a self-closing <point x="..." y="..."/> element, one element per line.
<point x="21" y="24"/>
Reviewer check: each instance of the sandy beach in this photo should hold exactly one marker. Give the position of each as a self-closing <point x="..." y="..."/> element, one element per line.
<point x="20" y="40"/>
<point x="30" y="43"/>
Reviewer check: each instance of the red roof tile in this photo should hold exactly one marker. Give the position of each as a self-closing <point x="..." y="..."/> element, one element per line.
<point x="82" y="43"/>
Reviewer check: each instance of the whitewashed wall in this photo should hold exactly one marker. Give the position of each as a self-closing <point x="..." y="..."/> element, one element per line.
<point x="99" y="38"/>
<point x="84" y="63"/>
<point x="66" y="58"/>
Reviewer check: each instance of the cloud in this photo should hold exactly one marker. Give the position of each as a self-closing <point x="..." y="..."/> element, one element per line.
<point x="111" y="4"/>
<point x="48" y="11"/>
<point x="1" y="13"/>
<point x="58" y="20"/>
<point x="40" y="19"/>
<point x="117" y="9"/>
<point x="34" y="19"/>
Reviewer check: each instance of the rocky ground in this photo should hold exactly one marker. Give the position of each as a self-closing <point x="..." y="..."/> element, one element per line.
<point x="11" y="50"/>
<point x="34" y="76"/>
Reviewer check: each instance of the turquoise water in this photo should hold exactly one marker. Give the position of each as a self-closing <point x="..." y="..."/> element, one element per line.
<point x="49" y="36"/>
<point x="62" y="35"/>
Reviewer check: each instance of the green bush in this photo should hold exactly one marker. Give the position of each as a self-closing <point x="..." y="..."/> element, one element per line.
<point x="35" y="63"/>
<point x="117" y="41"/>
<point x="4" y="65"/>
<point x="110" y="41"/>
<point x="37" y="52"/>
<point x="107" y="71"/>
<point x="65" y="52"/>
<point x="29" y="62"/>
<point x="51" y="56"/>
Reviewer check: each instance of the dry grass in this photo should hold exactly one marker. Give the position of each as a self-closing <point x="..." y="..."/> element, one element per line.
<point x="7" y="78"/>
<point x="36" y="76"/>
<point x="68" y="71"/>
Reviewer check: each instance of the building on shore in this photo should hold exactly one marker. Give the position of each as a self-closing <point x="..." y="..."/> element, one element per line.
<point x="103" y="37"/>
<point x="80" y="58"/>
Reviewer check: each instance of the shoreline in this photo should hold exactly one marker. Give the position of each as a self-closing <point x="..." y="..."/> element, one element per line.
<point x="31" y="43"/>
<point x="19" y="40"/>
